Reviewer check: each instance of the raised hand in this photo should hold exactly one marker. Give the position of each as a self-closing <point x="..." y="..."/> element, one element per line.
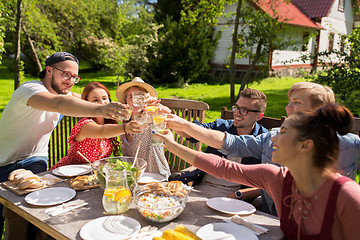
<point x="175" y="122"/>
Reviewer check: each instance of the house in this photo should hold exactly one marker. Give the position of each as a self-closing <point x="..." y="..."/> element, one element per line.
<point x="330" y="19"/>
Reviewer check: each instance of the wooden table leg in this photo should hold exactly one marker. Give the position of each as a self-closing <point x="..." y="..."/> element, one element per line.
<point x="15" y="226"/>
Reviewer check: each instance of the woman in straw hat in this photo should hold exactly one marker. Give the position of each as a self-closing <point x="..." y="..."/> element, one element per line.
<point x="154" y="155"/>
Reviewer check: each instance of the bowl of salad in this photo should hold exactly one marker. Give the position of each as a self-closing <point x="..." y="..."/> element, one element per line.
<point x="160" y="202"/>
<point x="119" y="163"/>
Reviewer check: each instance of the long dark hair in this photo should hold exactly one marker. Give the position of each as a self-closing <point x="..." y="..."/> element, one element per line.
<point x="322" y="126"/>
<point x="84" y="95"/>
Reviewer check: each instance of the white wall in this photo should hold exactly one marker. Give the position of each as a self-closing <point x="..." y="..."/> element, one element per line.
<point x="338" y="23"/>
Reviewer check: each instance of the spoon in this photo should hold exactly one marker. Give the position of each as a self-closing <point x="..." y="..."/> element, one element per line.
<point x="91" y="164"/>
<point x="136" y="154"/>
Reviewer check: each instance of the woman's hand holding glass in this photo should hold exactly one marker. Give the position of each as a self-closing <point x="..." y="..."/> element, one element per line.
<point x="142" y="120"/>
<point x="175" y="122"/>
<point x="164" y="137"/>
<point x="133" y="127"/>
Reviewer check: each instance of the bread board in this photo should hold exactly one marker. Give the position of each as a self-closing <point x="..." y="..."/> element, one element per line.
<point x="15" y="189"/>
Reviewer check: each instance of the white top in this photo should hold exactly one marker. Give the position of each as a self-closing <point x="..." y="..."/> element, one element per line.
<point x="25" y="132"/>
<point x="153" y="155"/>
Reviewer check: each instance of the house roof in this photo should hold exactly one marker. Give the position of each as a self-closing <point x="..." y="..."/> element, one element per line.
<point x="287" y="12"/>
<point x="314" y="8"/>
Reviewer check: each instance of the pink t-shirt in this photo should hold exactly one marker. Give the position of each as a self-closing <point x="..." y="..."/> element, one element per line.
<point x="89" y="147"/>
<point x="306" y="211"/>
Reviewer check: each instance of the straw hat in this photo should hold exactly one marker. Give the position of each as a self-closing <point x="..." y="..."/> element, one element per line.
<point x="136" y="82"/>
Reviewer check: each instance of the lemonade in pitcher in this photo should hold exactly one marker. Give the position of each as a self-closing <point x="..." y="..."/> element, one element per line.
<point x="116" y="200"/>
<point x="117" y="195"/>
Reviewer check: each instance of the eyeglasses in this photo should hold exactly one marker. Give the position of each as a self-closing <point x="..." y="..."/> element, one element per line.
<point x="242" y="110"/>
<point x="67" y="75"/>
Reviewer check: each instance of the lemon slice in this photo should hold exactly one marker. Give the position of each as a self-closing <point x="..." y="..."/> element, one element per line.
<point x="159" y="119"/>
<point x="123" y="196"/>
<point x="152" y="108"/>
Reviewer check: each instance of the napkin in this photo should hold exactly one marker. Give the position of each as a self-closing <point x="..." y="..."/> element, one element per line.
<point x="147" y="233"/>
<point x="256" y="228"/>
<point x="65" y="207"/>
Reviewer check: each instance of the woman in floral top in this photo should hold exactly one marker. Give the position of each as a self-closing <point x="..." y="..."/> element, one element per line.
<point x="95" y="138"/>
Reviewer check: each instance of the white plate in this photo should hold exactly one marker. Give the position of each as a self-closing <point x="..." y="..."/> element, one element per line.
<point x="110" y="228"/>
<point x="231" y="206"/>
<point x="151" y="177"/>
<point x="50" y="196"/>
<point x="71" y="170"/>
<point x="226" y="231"/>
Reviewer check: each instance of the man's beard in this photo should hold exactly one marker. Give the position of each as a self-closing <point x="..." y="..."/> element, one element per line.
<point x="56" y="87"/>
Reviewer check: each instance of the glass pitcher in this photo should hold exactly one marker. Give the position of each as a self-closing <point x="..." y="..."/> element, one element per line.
<point x="117" y="194"/>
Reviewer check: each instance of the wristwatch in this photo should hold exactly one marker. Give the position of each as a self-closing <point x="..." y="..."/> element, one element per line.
<point x="238" y="194"/>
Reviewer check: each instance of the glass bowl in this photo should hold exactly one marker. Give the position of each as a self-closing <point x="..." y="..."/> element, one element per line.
<point x="119" y="163"/>
<point x="161" y="204"/>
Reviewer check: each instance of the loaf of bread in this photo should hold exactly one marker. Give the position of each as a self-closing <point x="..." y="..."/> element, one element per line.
<point x="86" y="180"/>
<point x="25" y="179"/>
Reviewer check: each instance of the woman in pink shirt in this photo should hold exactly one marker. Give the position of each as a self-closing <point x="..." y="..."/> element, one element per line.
<point x="313" y="201"/>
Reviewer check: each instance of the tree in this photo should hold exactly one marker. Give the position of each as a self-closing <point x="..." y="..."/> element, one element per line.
<point x="18" y="45"/>
<point x="2" y="29"/>
<point x="342" y="73"/>
<point x="260" y="35"/>
<point x="186" y="43"/>
<point x="234" y="50"/>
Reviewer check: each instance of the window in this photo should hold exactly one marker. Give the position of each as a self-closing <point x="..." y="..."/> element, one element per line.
<point x="341" y="6"/>
<point x="331" y="42"/>
<point x="305" y="41"/>
<point x="342" y="44"/>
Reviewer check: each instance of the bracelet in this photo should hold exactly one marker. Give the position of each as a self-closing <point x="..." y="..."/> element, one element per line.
<point x="124" y="124"/>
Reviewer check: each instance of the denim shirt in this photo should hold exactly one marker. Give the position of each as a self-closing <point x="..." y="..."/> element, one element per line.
<point x="261" y="146"/>
<point x="228" y="127"/>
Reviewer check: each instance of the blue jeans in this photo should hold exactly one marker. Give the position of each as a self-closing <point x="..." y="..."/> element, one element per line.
<point x="35" y="164"/>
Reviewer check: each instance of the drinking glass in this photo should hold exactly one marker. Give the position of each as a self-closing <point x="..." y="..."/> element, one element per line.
<point x="128" y="114"/>
<point x="138" y="98"/>
<point x="142" y="120"/>
<point x="158" y="125"/>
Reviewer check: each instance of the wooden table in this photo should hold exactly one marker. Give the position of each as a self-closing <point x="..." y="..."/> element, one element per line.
<point x="67" y="225"/>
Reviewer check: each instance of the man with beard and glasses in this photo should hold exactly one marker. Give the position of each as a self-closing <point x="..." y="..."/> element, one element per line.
<point x="248" y="109"/>
<point x="34" y="111"/>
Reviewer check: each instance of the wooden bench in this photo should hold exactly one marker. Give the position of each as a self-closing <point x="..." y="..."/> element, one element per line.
<point x="188" y="109"/>
<point x="267" y="122"/>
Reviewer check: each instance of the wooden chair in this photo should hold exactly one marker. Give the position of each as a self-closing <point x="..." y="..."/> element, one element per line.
<point x="267" y="122"/>
<point x="190" y="110"/>
<point x="58" y="145"/>
<point x="356" y="126"/>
